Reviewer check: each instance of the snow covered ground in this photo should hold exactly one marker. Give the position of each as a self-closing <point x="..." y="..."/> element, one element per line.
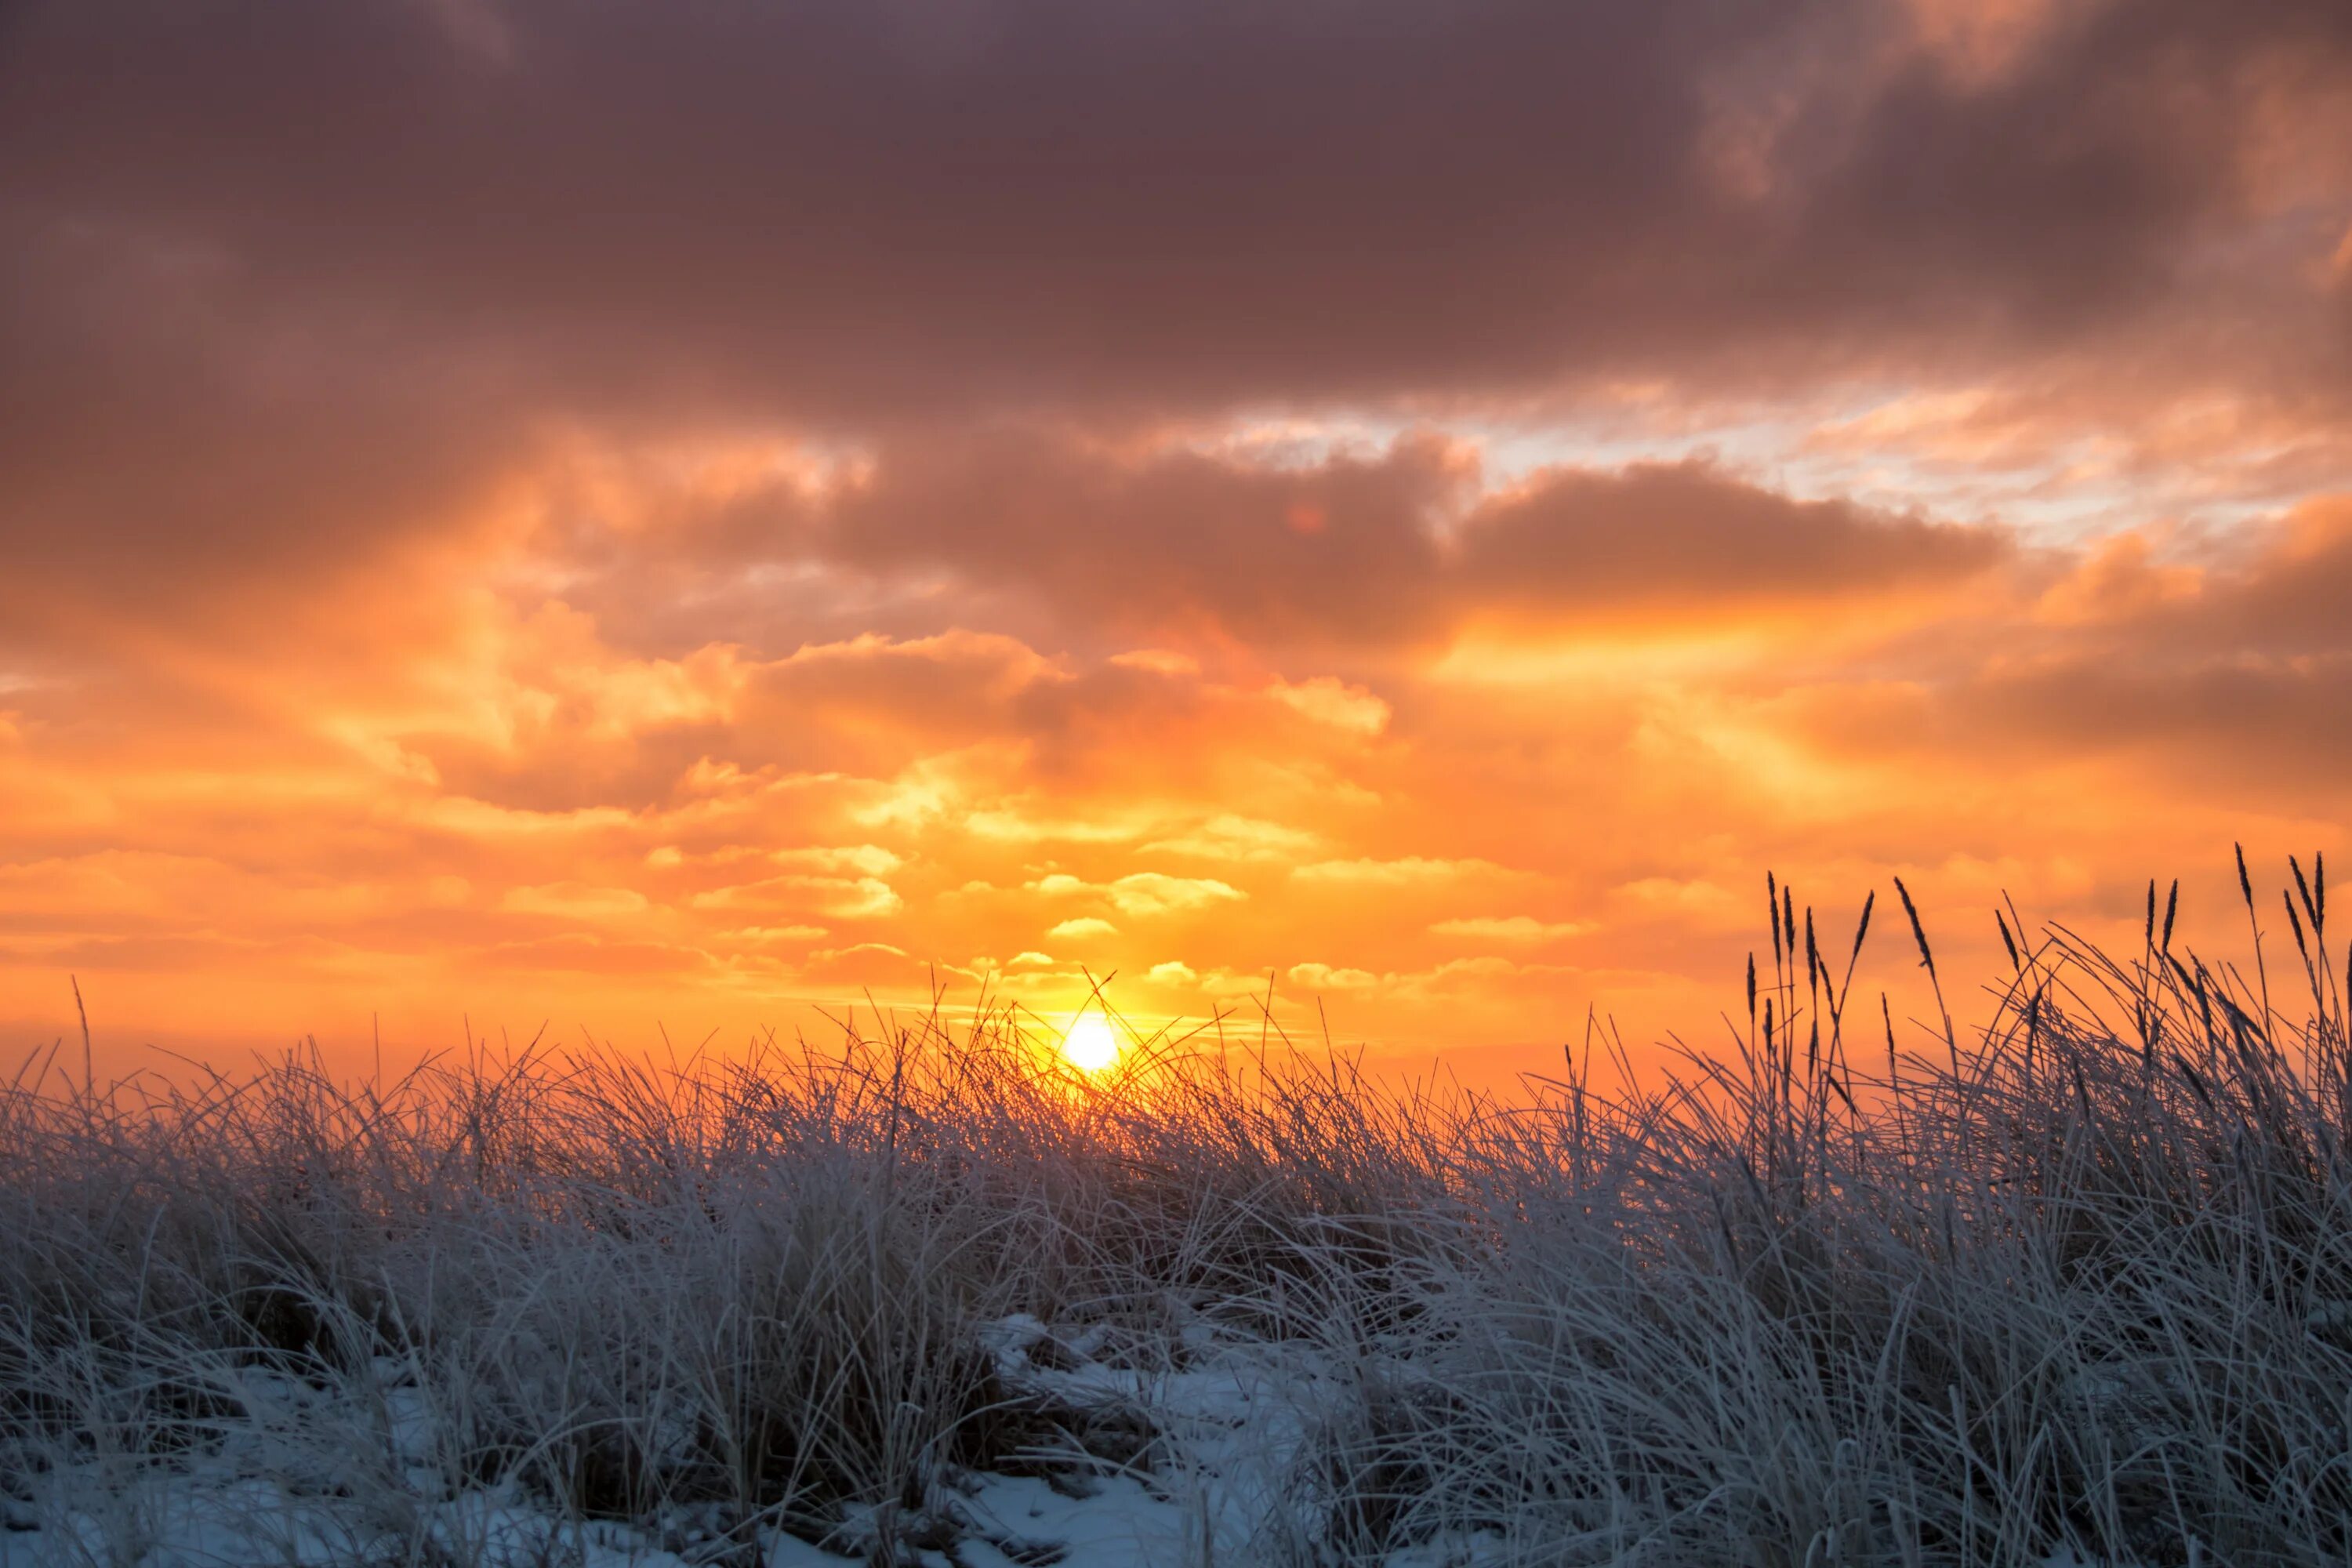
<point x="294" y="1480"/>
<point x="1217" y="1480"/>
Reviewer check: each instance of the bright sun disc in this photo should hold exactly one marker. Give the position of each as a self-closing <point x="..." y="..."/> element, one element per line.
<point x="1090" y="1046"/>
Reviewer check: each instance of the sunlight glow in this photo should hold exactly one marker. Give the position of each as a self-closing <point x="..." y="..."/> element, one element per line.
<point x="1090" y="1046"/>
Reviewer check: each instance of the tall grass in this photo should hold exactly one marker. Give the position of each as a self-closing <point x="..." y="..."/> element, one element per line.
<point x="2079" y="1281"/>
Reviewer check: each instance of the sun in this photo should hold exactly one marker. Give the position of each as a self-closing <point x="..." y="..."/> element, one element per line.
<point x="1090" y="1046"/>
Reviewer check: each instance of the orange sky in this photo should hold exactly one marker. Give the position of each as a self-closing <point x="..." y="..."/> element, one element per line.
<point x="654" y="519"/>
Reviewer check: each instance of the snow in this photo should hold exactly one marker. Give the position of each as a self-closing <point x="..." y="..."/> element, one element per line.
<point x="289" y="1483"/>
<point x="1228" y="1414"/>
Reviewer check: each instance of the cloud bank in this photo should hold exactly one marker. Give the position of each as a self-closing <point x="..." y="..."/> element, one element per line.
<point x="643" y="512"/>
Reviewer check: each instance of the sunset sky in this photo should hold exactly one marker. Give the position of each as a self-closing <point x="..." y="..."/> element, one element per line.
<point x="652" y="517"/>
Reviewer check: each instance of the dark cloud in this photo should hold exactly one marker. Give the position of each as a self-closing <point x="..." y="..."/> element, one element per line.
<point x="1379" y="550"/>
<point x="2291" y="598"/>
<point x="855" y="210"/>
<point x="2255" y="723"/>
<point x="1685" y="540"/>
<point x="2252" y="734"/>
<point x="2228" y="670"/>
<point x="286" y="287"/>
<point x="171" y="446"/>
<point x="1173" y="541"/>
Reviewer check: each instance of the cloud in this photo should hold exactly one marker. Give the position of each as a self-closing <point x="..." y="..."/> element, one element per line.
<point x="576" y="901"/>
<point x="581" y="953"/>
<point x="1160" y="661"/>
<point x="1683" y="542"/>
<point x="1329" y="701"/>
<point x="1140" y="893"/>
<point x="1083" y="927"/>
<point x="1516" y="928"/>
<point x="1324" y="977"/>
<point x="505" y="541"/>
<point x="2199" y="658"/>
<point x="1413" y="548"/>
<point x="1413" y="871"/>
<point x="1225" y="837"/>
<point x="861" y="964"/>
<point x="771" y="936"/>
<point x="1450" y="981"/>
<point x="840" y="898"/>
<point x="867" y="859"/>
<point x="1144" y="893"/>
<point x="1822" y="186"/>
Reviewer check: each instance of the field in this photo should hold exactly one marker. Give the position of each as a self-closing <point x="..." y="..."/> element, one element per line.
<point x="2074" y="1285"/>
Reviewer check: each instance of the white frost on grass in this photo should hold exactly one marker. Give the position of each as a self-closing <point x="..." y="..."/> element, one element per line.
<point x="1228" y="1425"/>
<point x="923" y="1304"/>
<point x="213" y="1512"/>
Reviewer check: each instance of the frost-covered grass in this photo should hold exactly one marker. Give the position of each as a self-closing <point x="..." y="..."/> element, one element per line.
<point x="2079" y="1285"/>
